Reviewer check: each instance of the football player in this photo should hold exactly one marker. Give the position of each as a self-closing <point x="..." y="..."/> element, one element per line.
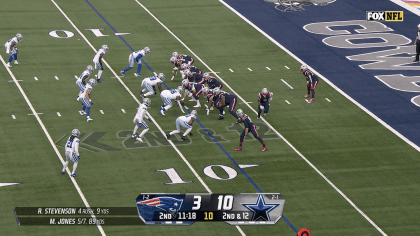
<point x="85" y="99"/>
<point x="138" y="119"/>
<point x="223" y="99"/>
<point x="135" y="57"/>
<point x="72" y="152"/>
<point x="167" y="96"/>
<point x="263" y="104"/>
<point x="195" y="89"/>
<point x="81" y="81"/>
<point x="11" y="49"/>
<point x="186" y="122"/>
<point x="178" y="60"/>
<point x="149" y="84"/>
<point x="311" y="82"/>
<point x="209" y="95"/>
<point x="97" y="61"/>
<point x="248" y="127"/>
<point x="212" y="82"/>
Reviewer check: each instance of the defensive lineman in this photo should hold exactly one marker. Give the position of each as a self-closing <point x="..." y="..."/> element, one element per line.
<point x="248" y="127"/>
<point x="186" y="122"/>
<point x="311" y="82"/>
<point x="97" y="61"/>
<point x="263" y="104"/>
<point x="85" y="99"/>
<point x="72" y="152"/>
<point x="149" y="84"/>
<point x="11" y="49"/>
<point x="81" y="81"/>
<point x="136" y="57"/>
<point x="138" y="119"/>
<point x="167" y="96"/>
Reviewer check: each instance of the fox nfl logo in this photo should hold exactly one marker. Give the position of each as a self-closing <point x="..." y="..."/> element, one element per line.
<point x="384" y="16"/>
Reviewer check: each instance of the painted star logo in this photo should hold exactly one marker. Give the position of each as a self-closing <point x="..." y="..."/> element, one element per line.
<point x="260" y="209"/>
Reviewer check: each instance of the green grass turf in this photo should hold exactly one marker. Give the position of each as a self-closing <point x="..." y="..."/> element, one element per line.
<point x="373" y="167"/>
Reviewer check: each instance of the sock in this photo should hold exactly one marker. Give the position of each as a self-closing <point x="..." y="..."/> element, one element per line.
<point x="127" y="69"/>
<point x="240" y="144"/>
<point x="100" y="73"/>
<point x="198" y="103"/>
<point x="10" y="59"/>
<point x="138" y="68"/>
<point x="15" y="57"/>
<point x="143" y="132"/>
<point x="83" y="108"/>
<point x="148" y="94"/>
<point x="65" y="165"/>
<point x="144" y="90"/>
<point x="135" y="129"/>
<point x="174" y="132"/>
<point x="166" y="107"/>
<point x="74" y="167"/>
<point x="187" y="131"/>
<point x="88" y="111"/>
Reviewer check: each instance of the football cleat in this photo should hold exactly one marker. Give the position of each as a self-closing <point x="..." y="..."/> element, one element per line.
<point x="191" y="134"/>
<point x="258" y="117"/>
<point x="307" y="96"/>
<point x="168" y="136"/>
<point x="133" y="135"/>
<point x="192" y="100"/>
<point x="220" y="118"/>
<point x="141" y="94"/>
<point x="137" y="75"/>
<point x="312" y="100"/>
<point x="184" y="138"/>
<point x="139" y="139"/>
<point x="161" y="112"/>
<point x="17" y="63"/>
<point x="74" y="175"/>
<point x="264" y="149"/>
<point x="99" y="80"/>
<point x="197" y="106"/>
<point x="122" y="73"/>
<point x="238" y="149"/>
<point x="82" y="113"/>
<point x="62" y="172"/>
<point x="89" y="119"/>
<point x="265" y="114"/>
<point x="8" y="65"/>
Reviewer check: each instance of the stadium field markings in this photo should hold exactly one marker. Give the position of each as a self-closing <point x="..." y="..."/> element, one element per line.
<point x="328" y="99"/>
<point x="287" y="67"/>
<point x="58" y="114"/>
<point x="268" y="68"/>
<point x="102" y="112"/>
<point x="286" y="83"/>
<point x="36" y="78"/>
<point x="249" y="69"/>
<point x="123" y="110"/>
<point x="344" y="94"/>
<point x="50" y="140"/>
<point x="75" y="76"/>
<point x="36" y="114"/>
<point x="14" y="81"/>
<point x="287" y="102"/>
<point x="14" y="117"/>
<point x="231" y="70"/>
<point x="56" y="77"/>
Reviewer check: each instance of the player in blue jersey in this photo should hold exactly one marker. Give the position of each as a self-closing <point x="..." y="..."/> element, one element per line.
<point x="212" y="82"/>
<point x="11" y="49"/>
<point x="248" y="127"/>
<point x="149" y="84"/>
<point x="195" y="89"/>
<point x="223" y="99"/>
<point x="135" y="57"/>
<point x="85" y="99"/>
<point x="186" y="122"/>
<point x="263" y="104"/>
<point x="72" y="152"/>
<point x="311" y="82"/>
<point x="81" y="81"/>
<point x="97" y="61"/>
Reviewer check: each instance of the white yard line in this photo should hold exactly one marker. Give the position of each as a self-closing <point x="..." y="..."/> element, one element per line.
<point x="35" y="78"/>
<point x="14" y="117"/>
<point x="287" y="67"/>
<point x="286" y="83"/>
<point x="231" y="70"/>
<point x="268" y="68"/>
<point x="249" y="69"/>
<point x="56" y="77"/>
<point x="287" y="102"/>
<point x="50" y="139"/>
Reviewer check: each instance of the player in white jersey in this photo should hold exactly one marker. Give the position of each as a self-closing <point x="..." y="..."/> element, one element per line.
<point x="167" y="96"/>
<point x="138" y="119"/>
<point x="186" y="122"/>
<point x="81" y="81"/>
<point x="97" y="61"/>
<point x="85" y="99"/>
<point x="149" y="84"/>
<point x="11" y="49"/>
<point x="135" y="57"/>
<point x="72" y="152"/>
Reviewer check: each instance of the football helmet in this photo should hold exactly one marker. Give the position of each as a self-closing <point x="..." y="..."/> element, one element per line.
<point x="184" y="83"/>
<point x="147" y="101"/>
<point x="105" y="48"/>
<point x="185" y="66"/>
<point x="265" y="91"/>
<point x="19" y="37"/>
<point x="216" y="90"/>
<point x="161" y="76"/>
<point x="179" y="89"/>
<point x="92" y="82"/>
<point x="75" y="132"/>
<point x="147" y="50"/>
<point x="194" y="113"/>
<point x="175" y="54"/>
<point x="239" y="112"/>
<point x="206" y="90"/>
<point x="172" y="60"/>
<point x="89" y="68"/>
<point x="206" y="75"/>
<point x="303" y="67"/>
<point x="187" y="72"/>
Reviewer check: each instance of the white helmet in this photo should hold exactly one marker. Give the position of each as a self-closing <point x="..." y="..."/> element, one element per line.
<point x="105" y="48"/>
<point x="172" y="60"/>
<point x="303" y="67"/>
<point x="179" y="89"/>
<point x="185" y="66"/>
<point x="147" y="50"/>
<point x="194" y="113"/>
<point x="216" y="90"/>
<point x="206" y="90"/>
<point x="175" y="54"/>
<point x="239" y="112"/>
<point x="184" y="83"/>
<point x="147" y="102"/>
<point x="19" y="37"/>
<point x="206" y="75"/>
<point x="92" y="82"/>
<point x="187" y="72"/>
<point x="265" y="91"/>
<point x="161" y="76"/>
<point x="89" y="68"/>
<point x="75" y="132"/>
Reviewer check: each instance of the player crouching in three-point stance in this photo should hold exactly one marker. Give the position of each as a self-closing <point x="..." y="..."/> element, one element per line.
<point x="248" y="127"/>
<point x="97" y="61"/>
<point x="85" y="99"/>
<point x="167" y="96"/>
<point x="186" y="122"/>
<point x="138" y="119"/>
<point x="311" y="82"/>
<point x="149" y="85"/>
<point x="72" y="152"/>
<point x="11" y="49"/>
<point x="136" y="57"/>
<point x="263" y="104"/>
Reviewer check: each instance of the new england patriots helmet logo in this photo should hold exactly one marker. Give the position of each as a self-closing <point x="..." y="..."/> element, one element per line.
<point x="168" y="204"/>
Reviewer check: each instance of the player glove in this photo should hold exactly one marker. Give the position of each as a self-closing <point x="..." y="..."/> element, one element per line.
<point x="261" y="107"/>
<point x="91" y="103"/>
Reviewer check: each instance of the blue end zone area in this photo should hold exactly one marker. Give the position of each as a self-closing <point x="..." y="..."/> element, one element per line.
<point x="391" y="105"/>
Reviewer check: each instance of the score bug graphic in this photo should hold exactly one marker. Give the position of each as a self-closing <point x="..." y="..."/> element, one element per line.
<point x="234" y="209"/>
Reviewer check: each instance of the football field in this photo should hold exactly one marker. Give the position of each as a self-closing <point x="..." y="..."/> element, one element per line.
<point x="340" y="170"/>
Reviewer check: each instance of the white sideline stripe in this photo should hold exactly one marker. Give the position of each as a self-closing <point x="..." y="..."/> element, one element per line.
<point x="102" y="112"/>
<point x="231" y="70"/>
<point x="147" y="10"/>
<point x="286" y="83"/>
<point x="327" y="99"/>
<point x="268" y="68"/>
<point x="49" y="138"/>
<point x="123" y="110"/>
<point x="56" y="77"/>
<point x="249" y="69"/>
<point x="344" y="94"/>
<point x="58" y="114"/>
<point x="35" y="78"/>
<point x="287" y="67"/>
<point x="138" y="102"/>
<point x="14" y="117"/>
<point x="287" y="102"/>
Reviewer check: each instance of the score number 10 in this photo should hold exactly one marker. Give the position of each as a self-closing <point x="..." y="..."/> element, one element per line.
<point x="224" y="201"/>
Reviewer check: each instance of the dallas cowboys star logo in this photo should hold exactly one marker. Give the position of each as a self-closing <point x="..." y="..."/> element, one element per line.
<point x="260" y="209"/>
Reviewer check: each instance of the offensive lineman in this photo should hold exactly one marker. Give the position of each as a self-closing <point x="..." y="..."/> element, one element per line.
<point x="248" y="127"/>
<point x="72" y="152"/>
<point x="149" y="85"/>
<point x="212" y="82"/>
<point x="167" y="96"/>
<point x="195" y="89"/>
<point x="138" y="119"/>
<point x="97" y="61"/>
<point x="11" y="49"/>
<point x="263" y="104"/>
<point x="136" y="57"/>
<point x="81" y="81"/>
<point x="311" y="82"/>
<point x="186" y="122"/>
<point x="85" y="99"/>
<point x="223" y="99"/>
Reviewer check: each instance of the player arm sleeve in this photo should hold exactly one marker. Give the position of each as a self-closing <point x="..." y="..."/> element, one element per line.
<point x="76" y="148"/>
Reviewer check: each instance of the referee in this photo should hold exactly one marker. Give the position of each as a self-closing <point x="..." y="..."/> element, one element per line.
<point x="417" y="43"/>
